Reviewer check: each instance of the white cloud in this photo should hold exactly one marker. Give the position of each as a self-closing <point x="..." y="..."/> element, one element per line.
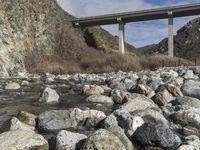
<point x="138" y="34"/>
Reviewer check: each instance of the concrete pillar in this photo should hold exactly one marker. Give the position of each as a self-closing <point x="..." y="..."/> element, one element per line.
<point x="170" y="35"/>
<point x="121" y="36"/>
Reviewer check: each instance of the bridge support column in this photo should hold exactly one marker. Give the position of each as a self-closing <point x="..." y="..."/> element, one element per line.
<point x="121" y="36"/>
<point x="170" y="34"/>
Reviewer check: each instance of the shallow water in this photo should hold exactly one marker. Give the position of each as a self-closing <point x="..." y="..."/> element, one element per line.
<point x="26" y="99"/>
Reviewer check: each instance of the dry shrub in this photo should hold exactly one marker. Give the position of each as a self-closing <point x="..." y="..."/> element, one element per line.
<point x="110" y="62"/>
<point x="107" y="62"/>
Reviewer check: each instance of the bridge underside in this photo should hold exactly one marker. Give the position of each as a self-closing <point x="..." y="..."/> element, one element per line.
<point x="142" y="15"/>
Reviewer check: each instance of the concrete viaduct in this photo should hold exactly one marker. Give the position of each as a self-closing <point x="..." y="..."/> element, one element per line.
<point x="142" y="15"/>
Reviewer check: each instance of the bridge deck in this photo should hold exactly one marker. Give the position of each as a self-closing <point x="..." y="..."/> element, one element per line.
<point x="141" y="15"/>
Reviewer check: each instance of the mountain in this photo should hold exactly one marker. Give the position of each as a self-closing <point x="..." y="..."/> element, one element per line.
<point x="186" y="42"/>
<point x="35" y="28"/>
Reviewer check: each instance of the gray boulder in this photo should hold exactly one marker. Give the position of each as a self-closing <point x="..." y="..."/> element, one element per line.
<point x="138" y="102"/>
<point x="174" y="90"/>
<point x="152" y="116"/>
<point x="103" y="140"/>
<point x="191" y="88"/>
<point x="157" y="135"/>
<point x="163" y="98"/>
<point x="72" y="118"/>
<point x="191" y="143"/>
<point x="189" y="74"/>
<point x="189" y="117"/>
<point x="66" y="140"/>
<point x="12" y="86"/>
<point x="145" y="89"/>
<point x="187" y="102"/>
<point x="100" y="99"/>
<point x="22" y="140"/>
<point x="118" y="96"/>
<point x="18" y="125"/>
<point x="111" y="124"/>
<point x="49" y="96"/>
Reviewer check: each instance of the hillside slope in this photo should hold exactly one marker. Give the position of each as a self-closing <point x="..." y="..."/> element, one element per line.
<point x="41" y="28"/>
<point x="186" y="42"/>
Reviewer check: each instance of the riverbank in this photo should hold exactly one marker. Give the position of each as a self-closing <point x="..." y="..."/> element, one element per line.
<point x="146" y="110"/>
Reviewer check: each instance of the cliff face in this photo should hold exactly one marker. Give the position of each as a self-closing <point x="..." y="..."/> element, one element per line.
<point x="42" y="27"/>
<point x="34" y="25"/>
<point x="186" y="42"/>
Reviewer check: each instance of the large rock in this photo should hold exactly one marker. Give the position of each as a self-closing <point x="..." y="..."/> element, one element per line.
<point x="111" y="124"/>
<point x="127" y="122"/>
<point x="22" y="140"/>
<point x="163" y="98"/>
<point x="191" y="143"/>
<point x="69" y="141"/>
<point x="187" y="102"/>
<point x="171" y="73"/>
<point x="189" y="117"/>
<point x="12" y="86"/>
<point x="145" y="89"/>
<point x="73" y="118"/>
<point x="27" y="118"/>
<point x="189" y="74"/>
<point x="92" y="90"/>
<point x="157" y="135"/>
<point x="49" y="96"/>
<point x="118" y="96"/>
<point x="103" y="140"/>
<point x="191" y="88"/>
<point x="18" y="125"/>
<point x="137" y="102"/>
<point x="100" y="99"/>
<point x="174" y="90"/>
<point x="152" y="116"/>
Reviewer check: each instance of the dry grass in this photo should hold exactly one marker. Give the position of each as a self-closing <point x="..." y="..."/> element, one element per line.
<point x="107" y="62"/>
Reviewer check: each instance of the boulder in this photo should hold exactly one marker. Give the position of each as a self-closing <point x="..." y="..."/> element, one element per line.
<point x="152" y="116"/>
<point x="92" y="90"/>
<point x="157" y="135"/>
<point x="22" y="140"/>
<point x="49" y="96"/>
<point x="145" y="89"/>
<point x="191" y="143"/>
<point x="72" y="118"/>
<point x="174" y="90"/>
<point x="100" y="99"/>
<point x="127" y="122"/>
<point x="189" y="117"/>
<point x="111" y="124"/>
<point x="189" y="74"/>
<point x="12" y="86"/>
<point x="163" y="98"/>
<point x="191" y="88"/>
<point x="137" y="102"/>
<point x="187" y="102"/>
<point x="66" y="140"/>
<point x="103" y="140"/>
<point x="27" y="118"/>
<point x="118" y="96"/>
<point x="25" y="83"/>
<point x="171" y="73"/>
<point x="18" y="125"/>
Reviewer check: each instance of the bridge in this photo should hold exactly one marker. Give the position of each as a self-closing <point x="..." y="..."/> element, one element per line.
<point x="142" y="15"/>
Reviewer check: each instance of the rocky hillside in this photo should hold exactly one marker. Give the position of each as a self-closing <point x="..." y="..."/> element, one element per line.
<point x="42" y="27"/>
<point x="186" y="42"/>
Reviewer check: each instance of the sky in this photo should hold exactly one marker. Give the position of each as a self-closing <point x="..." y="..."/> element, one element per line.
<point x="138" y="33"/>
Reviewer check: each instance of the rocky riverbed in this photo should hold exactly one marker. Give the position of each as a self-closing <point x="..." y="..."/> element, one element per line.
<point x="147" y="110"/>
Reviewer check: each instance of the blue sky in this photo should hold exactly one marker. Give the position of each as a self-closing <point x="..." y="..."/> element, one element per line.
<point x="138" y="34"/>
